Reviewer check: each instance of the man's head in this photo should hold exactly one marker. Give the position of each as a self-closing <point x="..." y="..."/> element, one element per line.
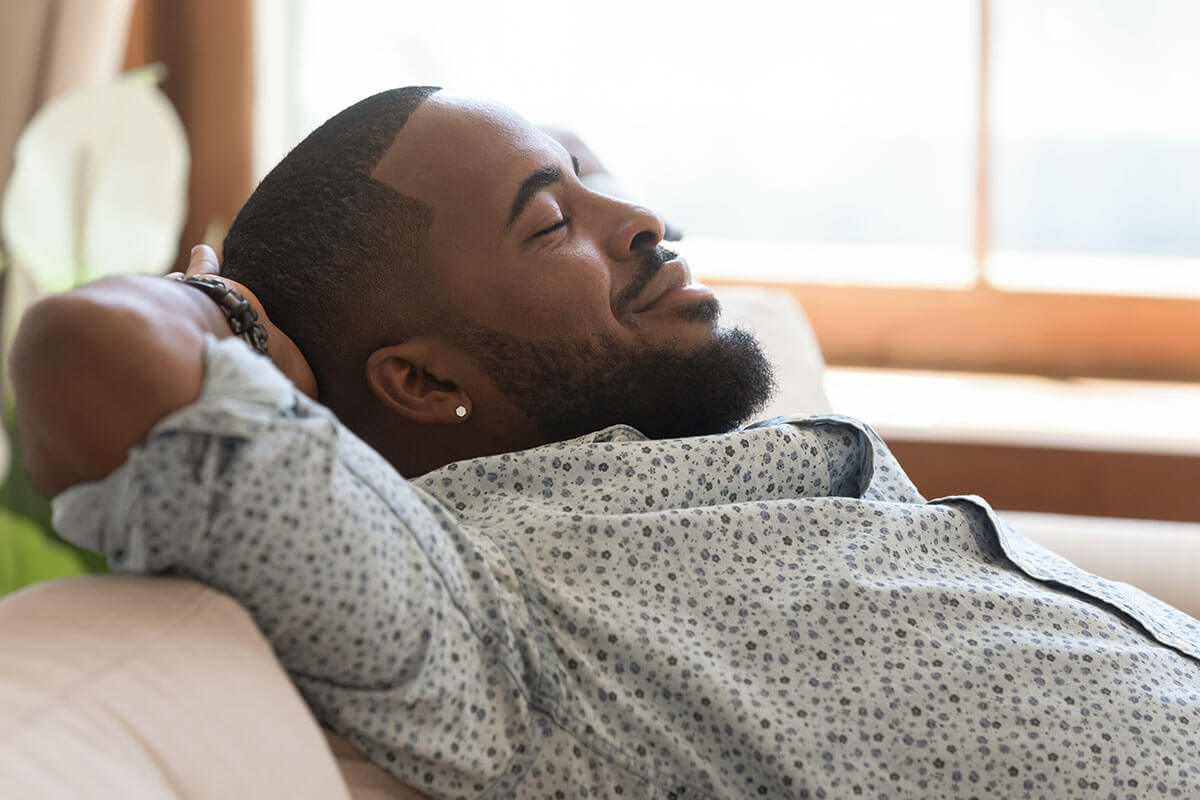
<point x="428" y="252"/>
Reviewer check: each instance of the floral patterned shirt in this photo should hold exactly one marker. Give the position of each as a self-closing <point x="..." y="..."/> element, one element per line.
<point x="772" y="612"/>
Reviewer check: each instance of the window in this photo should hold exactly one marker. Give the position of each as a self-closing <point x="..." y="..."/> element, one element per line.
<point x="1096" y="157"/>
<point x="942" y="183"/>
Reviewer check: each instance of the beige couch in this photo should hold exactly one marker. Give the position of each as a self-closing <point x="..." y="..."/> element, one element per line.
<point x="142" y="687"/>
<point x="131" y="687"/>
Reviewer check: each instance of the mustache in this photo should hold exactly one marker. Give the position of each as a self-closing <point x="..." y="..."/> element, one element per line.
<point x="652" y="261"/>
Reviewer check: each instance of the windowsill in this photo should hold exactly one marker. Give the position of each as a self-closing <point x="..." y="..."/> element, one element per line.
<point x="941" y="267"/>
<point x="1025" y="411"/>
<point x="1093" y="447"/>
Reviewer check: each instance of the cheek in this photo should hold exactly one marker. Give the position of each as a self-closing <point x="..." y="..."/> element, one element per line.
<point x="562" y="296"/>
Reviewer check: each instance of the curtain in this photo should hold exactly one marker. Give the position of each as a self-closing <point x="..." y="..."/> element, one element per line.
<point x="207" y="47"/>
<point x="47" y="46"/>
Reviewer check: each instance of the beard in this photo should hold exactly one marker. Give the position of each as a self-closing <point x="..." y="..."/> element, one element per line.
<point x="570" y="388"/>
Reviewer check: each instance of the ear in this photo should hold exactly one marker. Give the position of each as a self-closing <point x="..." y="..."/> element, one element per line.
<point x="404" y="378"/>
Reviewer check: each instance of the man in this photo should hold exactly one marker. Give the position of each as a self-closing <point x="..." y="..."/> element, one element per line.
<point x="536" y="591"/>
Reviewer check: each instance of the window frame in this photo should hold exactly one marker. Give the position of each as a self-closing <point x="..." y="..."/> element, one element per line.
<point x="982" y="329"/>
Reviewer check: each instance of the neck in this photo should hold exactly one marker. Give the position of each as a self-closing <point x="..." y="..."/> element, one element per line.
<point x="415" y="448"/>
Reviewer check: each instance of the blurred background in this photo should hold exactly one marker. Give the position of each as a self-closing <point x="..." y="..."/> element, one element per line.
<point x="848" y="123"/>
<point x="989" y="209"/>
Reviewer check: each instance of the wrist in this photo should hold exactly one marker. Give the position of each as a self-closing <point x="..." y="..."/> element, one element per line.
<point x="237" y="310"/>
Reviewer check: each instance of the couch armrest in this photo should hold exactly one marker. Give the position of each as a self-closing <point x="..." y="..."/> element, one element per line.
<point x="131" y="686"/>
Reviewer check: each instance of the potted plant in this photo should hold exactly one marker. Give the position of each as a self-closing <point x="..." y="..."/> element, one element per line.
<point x="98" y="187"/>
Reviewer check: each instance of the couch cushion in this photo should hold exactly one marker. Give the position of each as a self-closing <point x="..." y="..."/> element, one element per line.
<point x="129" y="687"/>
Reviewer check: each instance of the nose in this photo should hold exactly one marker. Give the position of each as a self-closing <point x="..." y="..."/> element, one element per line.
<point x="637" y="229"/>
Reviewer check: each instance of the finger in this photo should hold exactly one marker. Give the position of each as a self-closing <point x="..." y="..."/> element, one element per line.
<point x="203" y="261"/>
<point x="175" y="276"/>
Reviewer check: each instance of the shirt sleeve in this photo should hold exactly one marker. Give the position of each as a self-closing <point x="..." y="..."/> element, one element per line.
<point x="351" y="572"/>
<point x="390" y="620"/>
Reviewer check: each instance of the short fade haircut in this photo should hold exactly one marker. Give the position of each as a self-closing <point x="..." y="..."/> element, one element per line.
<point x="335" y="255"/>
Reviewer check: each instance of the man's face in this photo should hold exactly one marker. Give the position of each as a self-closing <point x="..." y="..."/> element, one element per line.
<point x="564" y="296"/>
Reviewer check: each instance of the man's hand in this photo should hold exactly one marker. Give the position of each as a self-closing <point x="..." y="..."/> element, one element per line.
<point x="284" y="353"/>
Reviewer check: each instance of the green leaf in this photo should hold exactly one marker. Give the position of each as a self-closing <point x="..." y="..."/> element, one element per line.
<point x="20" y="501"/>
<point x="27" y="555"/>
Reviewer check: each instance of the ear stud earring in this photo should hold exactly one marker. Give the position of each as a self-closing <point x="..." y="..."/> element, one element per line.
<point x="461" y="411"/>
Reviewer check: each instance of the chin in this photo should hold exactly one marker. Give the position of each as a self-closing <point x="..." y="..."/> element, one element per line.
<point x="688" y="327"/>
<point x="706" y="310"/>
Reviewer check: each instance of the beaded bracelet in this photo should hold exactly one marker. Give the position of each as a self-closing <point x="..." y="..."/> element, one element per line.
<point x="243" y="319"/>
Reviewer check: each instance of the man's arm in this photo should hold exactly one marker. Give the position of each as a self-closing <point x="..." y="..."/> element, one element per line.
<point x="96" y="368"/>
<point x="373" y="598"/>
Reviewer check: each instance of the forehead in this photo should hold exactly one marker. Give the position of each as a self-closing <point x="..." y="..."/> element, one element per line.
<point x="465" y="159"/>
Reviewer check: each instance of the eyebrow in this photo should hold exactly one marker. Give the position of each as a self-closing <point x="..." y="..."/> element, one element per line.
<point x="539" y="179"/>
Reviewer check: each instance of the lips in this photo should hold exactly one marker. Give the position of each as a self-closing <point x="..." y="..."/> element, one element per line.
<point x="673" y="274"/>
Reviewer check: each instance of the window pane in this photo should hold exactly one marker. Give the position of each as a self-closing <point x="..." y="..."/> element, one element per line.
<point x="846" y="123"/>
<point x="1097" y="131"/>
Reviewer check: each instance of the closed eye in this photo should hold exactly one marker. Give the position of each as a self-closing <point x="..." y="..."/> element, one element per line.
<point x="560" y="224"/>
